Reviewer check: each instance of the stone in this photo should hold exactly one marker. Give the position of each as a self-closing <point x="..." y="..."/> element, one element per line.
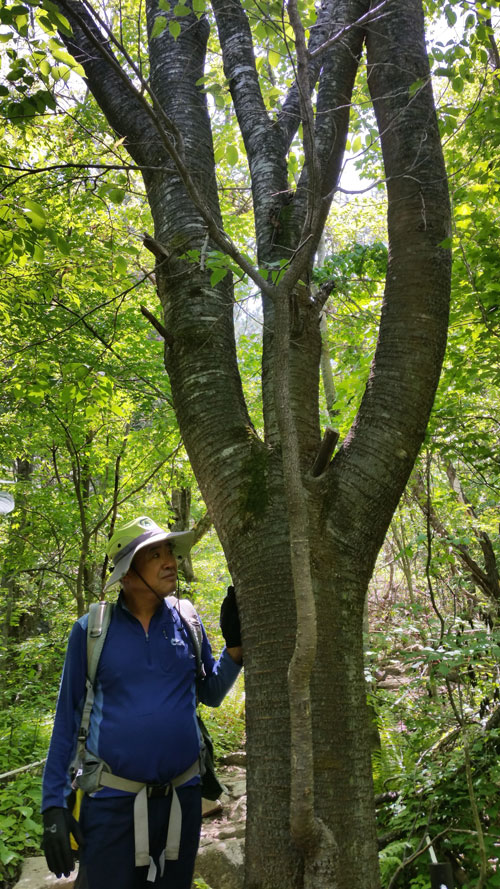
<point x="220" y="861"/>
<point x="35" y="875"/>
<point x="239" y="813"/>
<point x="238" y="789"/>
<point x="210" y="807"/>
<point x="226" y="833"/>
<point x="238" y="758"/>
<point x="220" y="864"/>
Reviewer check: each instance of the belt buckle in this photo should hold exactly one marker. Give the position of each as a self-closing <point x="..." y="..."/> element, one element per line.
<point x="157" y="790"/>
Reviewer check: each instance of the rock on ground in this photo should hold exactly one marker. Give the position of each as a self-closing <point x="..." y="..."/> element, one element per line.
<point x="35" y="875"/>
<point x="221" y="855"/>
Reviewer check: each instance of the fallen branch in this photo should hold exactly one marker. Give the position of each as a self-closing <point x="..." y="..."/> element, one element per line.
<point x="33" y="765"/>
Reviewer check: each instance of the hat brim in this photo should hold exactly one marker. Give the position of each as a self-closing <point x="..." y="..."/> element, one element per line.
<point x="181" y="542"/>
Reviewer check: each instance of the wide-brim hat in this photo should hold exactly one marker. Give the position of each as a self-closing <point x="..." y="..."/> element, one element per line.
<point x="137" y="534"/>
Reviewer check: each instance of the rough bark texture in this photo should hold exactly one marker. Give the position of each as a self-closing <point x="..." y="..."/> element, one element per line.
<point x="350" y="504"/>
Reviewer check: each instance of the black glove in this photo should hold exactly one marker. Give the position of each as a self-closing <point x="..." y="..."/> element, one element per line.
<point x="229" y="620"/>
<point x="58" y="823"/>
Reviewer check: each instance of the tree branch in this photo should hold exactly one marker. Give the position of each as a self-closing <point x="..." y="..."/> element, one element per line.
<point x="114" y="504"/>
<point x="127" y="111"/>
<point x="381" y="448"/>
<point x="36" y="171"/>
<point x="365" y="19"/>
<point x="138" y="122"/>
<point x="485" y="543"/>
<point x="479" y="577"/>
<point x="239" y="67"/>
<point x="330" y="439"/>
<point x="158" y="250"/>
<point x="336" y="83"/>
<point x="162" y="330"/>
<point x="321" y="32"/>
<point x="95" y="333"/>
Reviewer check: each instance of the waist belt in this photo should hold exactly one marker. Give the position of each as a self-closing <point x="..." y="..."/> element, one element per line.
<point x="142" y="792"/>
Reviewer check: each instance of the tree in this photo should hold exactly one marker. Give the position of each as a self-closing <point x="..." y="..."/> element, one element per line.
<point x="300" y="531"/>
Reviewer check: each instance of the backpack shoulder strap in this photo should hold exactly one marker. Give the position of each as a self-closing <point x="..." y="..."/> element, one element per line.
<point x="192" y="622"/>
<point x="99" y="617"/>
<point x="100" y="614"/>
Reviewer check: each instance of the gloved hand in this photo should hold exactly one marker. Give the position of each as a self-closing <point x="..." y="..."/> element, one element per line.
<point x="229" y="620"/>
<point x="58" y="823"/>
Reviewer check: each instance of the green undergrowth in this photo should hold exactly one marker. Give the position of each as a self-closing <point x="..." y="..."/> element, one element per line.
<point x="20" y="824"/>
<point x="439" y="755"/>
<point x="226" y="723"/>
<point x="24" y="735"/>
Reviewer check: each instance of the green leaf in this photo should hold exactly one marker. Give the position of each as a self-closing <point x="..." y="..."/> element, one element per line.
<point x="36" y="213"/>
<point x="199" y="6"/>
<point x="274" y="58"/>
<point x="451" y="16"/>
<point x="25" y="811"/>
<point x="35" y="395"/>
<point x="62" y="56"/>
<point x="116" y="195"/>
<point x="67" y="394"/>
<point x="159" y="26"/>
<point x="217" y="275"/>
<point x="415" y="86"/>
<point x="38" y="253"/>
<point x="175" y="29"/>
<point x="58" y="241"/>
<point x="63" y="24"/>
<point x="232" y="155"/>
<point x="181" y="10"/>
<point x="121" y="265"/>
<point x="6" y="855"/>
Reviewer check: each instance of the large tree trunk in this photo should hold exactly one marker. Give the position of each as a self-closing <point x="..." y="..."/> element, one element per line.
<point x="350" y="503"/>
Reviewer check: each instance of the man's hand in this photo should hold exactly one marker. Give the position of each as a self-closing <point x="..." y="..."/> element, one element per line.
<point x="230" y="624"/>
<point x="58" y="823"/>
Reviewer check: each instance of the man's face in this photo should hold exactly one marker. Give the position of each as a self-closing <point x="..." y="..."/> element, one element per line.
<point x="157" y="565"/>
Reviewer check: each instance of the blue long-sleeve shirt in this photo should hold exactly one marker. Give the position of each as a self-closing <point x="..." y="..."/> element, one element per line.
<point x="143" y="722"/>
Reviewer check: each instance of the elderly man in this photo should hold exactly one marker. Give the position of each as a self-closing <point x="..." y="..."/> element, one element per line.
<point x="142" y="725"/>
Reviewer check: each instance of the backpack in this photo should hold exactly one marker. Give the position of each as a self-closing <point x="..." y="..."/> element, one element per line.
<point x="100" y="614"/>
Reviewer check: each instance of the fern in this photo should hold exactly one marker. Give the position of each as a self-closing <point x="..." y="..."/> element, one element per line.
<point x="392" y="857"/>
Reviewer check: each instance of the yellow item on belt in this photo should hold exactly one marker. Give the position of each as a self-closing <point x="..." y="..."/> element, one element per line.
<point x="76" y="815"/>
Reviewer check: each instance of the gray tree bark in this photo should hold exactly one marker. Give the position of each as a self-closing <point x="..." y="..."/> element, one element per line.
<point x="288" y="534"/>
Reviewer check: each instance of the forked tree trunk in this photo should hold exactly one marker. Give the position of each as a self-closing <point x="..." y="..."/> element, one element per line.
<point x="350" y="503"/>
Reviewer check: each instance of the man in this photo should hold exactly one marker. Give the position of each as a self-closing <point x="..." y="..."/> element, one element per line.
<point x="142" y="725"/>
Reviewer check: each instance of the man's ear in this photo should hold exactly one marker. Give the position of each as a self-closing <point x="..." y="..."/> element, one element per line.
<point x="126" y="579"/>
